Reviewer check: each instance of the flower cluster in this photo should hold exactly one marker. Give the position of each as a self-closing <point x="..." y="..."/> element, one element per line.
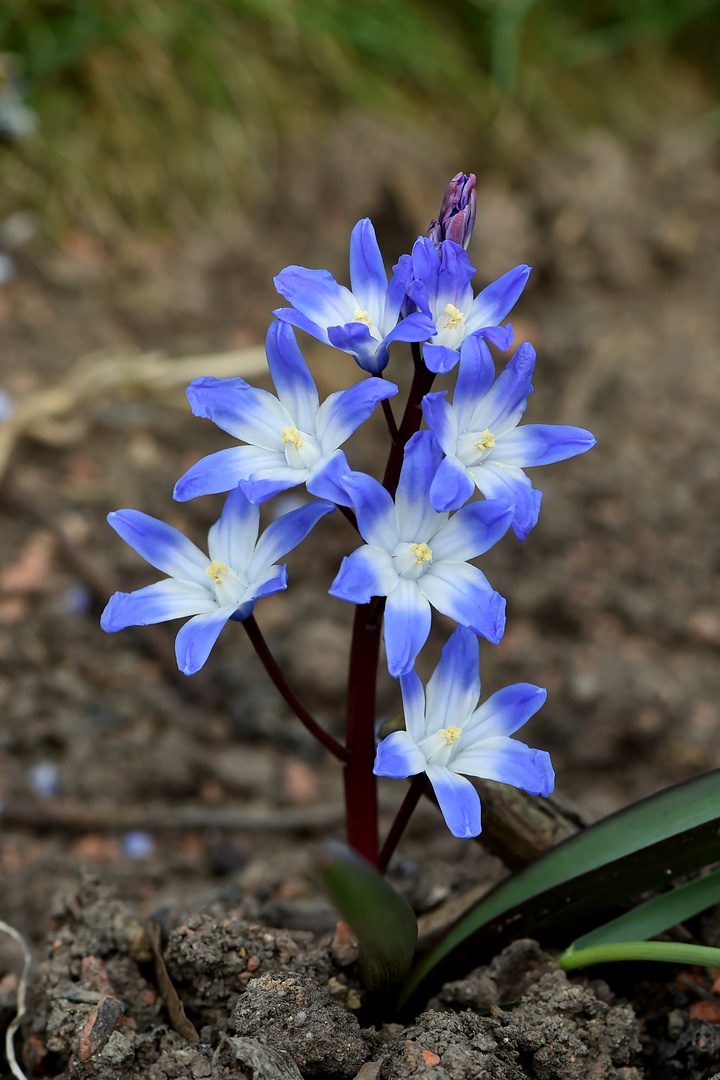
<point x="421" y="528"/>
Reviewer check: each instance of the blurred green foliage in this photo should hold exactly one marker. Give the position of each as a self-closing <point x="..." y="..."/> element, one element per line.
<point x="159" y="109"/>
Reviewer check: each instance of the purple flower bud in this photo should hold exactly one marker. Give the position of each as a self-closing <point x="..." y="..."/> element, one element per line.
<point x="457" y="213"/>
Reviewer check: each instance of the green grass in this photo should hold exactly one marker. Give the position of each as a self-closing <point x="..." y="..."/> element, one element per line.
<point x="154" y="111"/>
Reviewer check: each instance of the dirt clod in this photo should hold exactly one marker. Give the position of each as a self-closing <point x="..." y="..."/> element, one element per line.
<point x="294" y="1012"/>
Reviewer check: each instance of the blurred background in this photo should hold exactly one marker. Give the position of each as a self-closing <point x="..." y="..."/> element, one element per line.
<point x="160" y="160"/>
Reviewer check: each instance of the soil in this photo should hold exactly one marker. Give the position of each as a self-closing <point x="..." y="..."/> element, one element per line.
<point x="194" y="801"/>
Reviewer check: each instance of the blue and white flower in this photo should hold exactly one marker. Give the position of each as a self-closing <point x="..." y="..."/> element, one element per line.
<point x="290" y="438"/>
<point x="483" y="446"/>
<point x="447" y="736"/>
<point x="418" y="558"/>
<point x="362" y="322"/>
<point x="440" y="286"/>
<point x="239" y="570"/>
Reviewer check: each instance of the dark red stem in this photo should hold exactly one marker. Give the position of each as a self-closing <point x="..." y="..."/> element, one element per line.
<point x="271" y="666"/>
<point x="360" y="784"/>
<point x="417" y="786"/>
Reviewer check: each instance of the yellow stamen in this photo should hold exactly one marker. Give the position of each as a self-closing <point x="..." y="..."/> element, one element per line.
<point x="451" y="734"/>
<point x="455" y="317"/>
<point x="422" y="552"/>
<point x="215" y="570"/>
<point x="291" y="435"/>
<point x="487" y="440"/>
<point x="361" y="316"/>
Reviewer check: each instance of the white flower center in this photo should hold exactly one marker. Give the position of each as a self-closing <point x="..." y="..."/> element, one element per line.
<point x="302" y="451"/>
<point x="291" y="435"/>
<point x="475" y="446"/>
<point x="455" y="317"/>
<point x="440" y="748"/>
<point x="228" y="586"/>
<point x="412" y="560"/>
<point x="422" y="552"/>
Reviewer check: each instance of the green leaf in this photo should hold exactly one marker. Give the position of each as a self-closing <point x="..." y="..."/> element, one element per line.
<point x="383" y="923"/>
<point x="668" y="952"/>
<point x="642" y="847"/>
<point x="656" y="915"/>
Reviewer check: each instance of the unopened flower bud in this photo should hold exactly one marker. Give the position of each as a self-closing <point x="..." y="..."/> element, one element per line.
<point x="457" y="213"/>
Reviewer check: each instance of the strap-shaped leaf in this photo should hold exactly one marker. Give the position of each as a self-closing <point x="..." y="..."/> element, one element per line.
<point x="667" y="952"/>
<point x="642" y="847"/>
<point x="656" y="915"/>
<point x="383" y="923"/>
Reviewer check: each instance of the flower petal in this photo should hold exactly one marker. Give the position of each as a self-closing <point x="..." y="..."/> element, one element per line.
<point x="508" y="483"/>
<point x="451" y="486"/>
<point x="327" y="479"/>
<point x="476" y="374"/>
<point x="294" y="384"/>
<point x="265" y="483"/>
<point x="366" y="572"/>
<point x="223" y="471"/>
<point x="197" y="637"/>
<point x="502" y="408"/>
<point x="165" y="600"/>
<point x="355" y="338"/>
<point x="439" y="358"/>
<point x="497" y="299"/>
<point x="501" y="337"/>
<point x="414" y="327"/>
<point x="344" y="411"/>
<point x="232" y="538"/>
<point x="416" y="519"/>
<point x="413" y="697"/>
<point x="397" y="757"/>
<point x="458" y="800"/>
<point x="255" y="416"/>
<point x="407" y="625"/>
<point x="375" y="510"/>
<point x="441" y="419"/>
<point x="465" y="594"/>
<point x="456" y="273"/>
<point x="472" y="531"/>
<point x="542" y="444"/>
<point x="506" y="711"/>
<point x="161" y="545"/>
<point x="509" y="762"/>
<point x="316" y="294"/>
<point x="284" y="534"/>
<point x="368" y="279"/>
<point x="296" y="318"/>
<point x="454" y="687"/>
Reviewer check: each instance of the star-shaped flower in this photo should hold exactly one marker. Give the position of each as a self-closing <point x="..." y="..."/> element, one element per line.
<point x="484" y="447"/>
<point x="447" y="735"/>
<point x="440" y="286"/>
<point x="362" y="322"/>
<point x="239" y="570"/>
<point x="291" y="438"/>
<point x="418" y="558"/>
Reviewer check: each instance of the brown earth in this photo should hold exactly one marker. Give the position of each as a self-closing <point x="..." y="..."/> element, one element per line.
<point x="613" y="601"/>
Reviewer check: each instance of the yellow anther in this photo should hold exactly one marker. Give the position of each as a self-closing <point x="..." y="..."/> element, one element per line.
<point x="291" y="435"/>
<point x="451" y="734"/>
<point x="455" y="317"/>
<point x="215" y="570"/>
<point x="361" y="316"/>
<point x="421" y="552"/>
<point x="487" y="440"/>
